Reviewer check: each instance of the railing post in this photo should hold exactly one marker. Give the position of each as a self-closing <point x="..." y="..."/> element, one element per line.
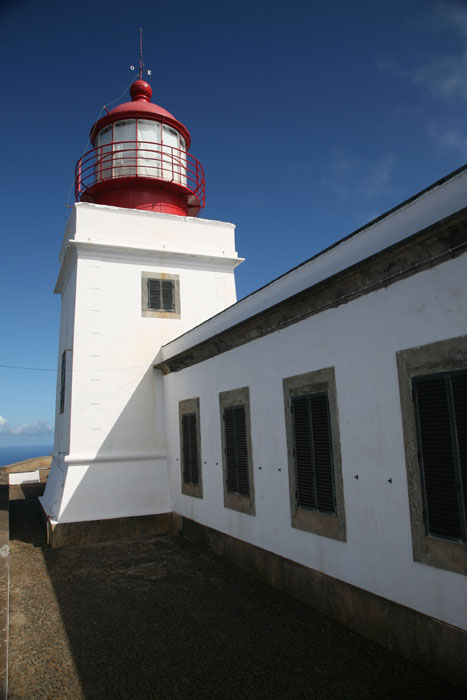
<point x="79" y="177"/>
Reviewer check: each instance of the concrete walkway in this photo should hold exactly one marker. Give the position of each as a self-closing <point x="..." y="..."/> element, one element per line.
<point x="158" y="618"/>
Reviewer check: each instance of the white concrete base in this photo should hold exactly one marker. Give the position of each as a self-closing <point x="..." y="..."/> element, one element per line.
<point x="108" y="488"/>
<point x="24" y="478"/>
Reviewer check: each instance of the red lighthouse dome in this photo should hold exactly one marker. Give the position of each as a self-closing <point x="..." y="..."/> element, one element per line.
<point x="140" y="160"/>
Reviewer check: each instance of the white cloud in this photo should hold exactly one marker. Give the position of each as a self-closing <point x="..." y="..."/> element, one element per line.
<point x="39" y="427"/>
<point x="452" y="139"/>
<point x="443" y="76"/>
<point x="379" y="176"/>
<point x="455" y="14"/>
<point x="352" y="177"/>
<point x="446" y="77"/>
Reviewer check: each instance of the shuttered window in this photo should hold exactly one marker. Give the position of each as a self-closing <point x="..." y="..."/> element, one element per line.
<point x="190" y="449"/>
<point x="441" y="413"/>
<point x="161" y="294"/>
<point x="62" y="382"/>
<point x="313" y="452"/>
<point x="236" y="450"/>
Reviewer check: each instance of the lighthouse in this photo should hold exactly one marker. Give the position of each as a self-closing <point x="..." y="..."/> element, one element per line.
<point x="140" y="160"/>
<point x="138" y="268"/>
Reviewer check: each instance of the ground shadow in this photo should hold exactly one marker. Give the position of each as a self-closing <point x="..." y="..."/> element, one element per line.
<point x="25" y="515"/>
<point x="161" y="618"/>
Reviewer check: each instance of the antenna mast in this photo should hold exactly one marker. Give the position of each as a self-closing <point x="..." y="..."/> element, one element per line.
<point x="141" y="64"/>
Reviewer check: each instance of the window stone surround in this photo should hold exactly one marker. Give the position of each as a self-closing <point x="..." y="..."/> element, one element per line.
<point x="228" y="399"/>
<point x="184" y="407"/>
<point x="146" y="312"/>
<point x="332" y="525"/>
<point x="443" y="356"/>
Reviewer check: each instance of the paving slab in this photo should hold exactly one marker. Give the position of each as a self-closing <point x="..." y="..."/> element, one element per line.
<point x="159" y="618"/>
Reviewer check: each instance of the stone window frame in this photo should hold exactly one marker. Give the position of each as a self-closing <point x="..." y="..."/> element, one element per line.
<point x="146" y="312"/>
<point x="187" y="406"/>
<point x="332" y="525"/>
<point x="442" y="356"/>
<point x="236" y="501"/>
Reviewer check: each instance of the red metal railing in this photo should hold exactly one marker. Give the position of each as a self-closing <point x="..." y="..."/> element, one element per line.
<point x="140" y="159"/>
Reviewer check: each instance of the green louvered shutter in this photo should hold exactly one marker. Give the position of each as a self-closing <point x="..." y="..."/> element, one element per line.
<point x="313" y="452"/>
<point x="161" y="294"/>
<point x="236" y="450"/>
<point x="459" y="395"/>
<point x="441" y="411"/>
<point x="167" y="295"/>
<point x="190" y="449"/>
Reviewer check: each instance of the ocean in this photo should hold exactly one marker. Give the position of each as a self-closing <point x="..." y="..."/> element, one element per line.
<point x="17" y="453"/>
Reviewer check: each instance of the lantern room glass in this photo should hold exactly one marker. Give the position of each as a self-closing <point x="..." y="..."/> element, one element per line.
<point x="104" y="154"/>
<point x="149" y="148"/>
<point x="170" y="168"/>
<point x="141" y="147"/>
<point x="124" y="148"/>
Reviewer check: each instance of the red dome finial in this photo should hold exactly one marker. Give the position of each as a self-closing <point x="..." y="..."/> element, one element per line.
<point x="141" y="90"/>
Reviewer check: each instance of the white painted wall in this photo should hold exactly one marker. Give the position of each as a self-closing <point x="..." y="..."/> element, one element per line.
<point x="360" y="340"/>
<point x="111" y="438"/>
<point x="131" y="228"/>
<point x="66" y="285"/>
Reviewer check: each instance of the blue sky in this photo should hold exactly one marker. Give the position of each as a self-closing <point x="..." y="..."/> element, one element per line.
<point x="309" y="118"/>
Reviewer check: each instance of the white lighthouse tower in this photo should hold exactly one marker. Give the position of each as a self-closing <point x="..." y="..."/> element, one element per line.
<point x="136" y="271"/>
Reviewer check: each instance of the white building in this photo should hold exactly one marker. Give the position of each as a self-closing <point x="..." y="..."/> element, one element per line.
<point x="314" y="433"/>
